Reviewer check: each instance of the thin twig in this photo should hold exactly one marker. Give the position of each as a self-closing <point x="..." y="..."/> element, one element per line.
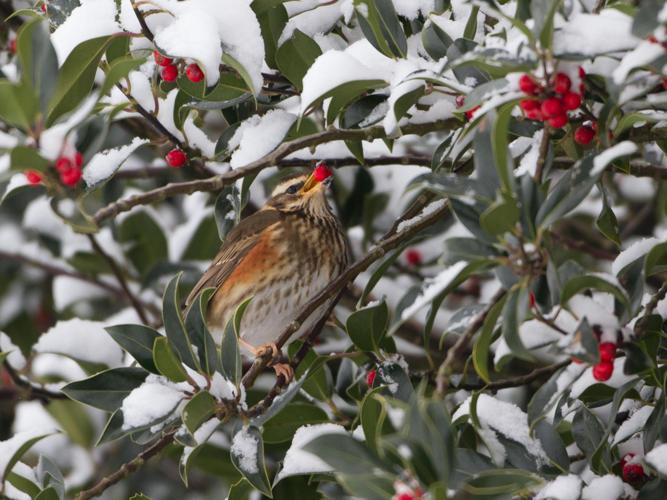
<point x="142" y="22"/>
<point x="128" y="468"/>
<point x="459" y="349"/>
<point x="28" y="391"/>
<point x="517" y="381"/>
<point x="118" y="273"/>
<point x="217" y="182"/>
<point x="542" y="157"/>
<point x="653" y="303"/>
<point x="582" y="246"/>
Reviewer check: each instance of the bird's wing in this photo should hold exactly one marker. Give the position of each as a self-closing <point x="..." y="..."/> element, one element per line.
<point x="237" y="244"/>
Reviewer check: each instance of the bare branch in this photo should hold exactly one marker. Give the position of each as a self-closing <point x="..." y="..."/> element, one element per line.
<point x="536" y="374"/>
<point x="217" y="182"/>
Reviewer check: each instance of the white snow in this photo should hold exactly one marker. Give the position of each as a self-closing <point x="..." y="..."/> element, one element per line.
<point x="411" y="9"/>
<point x="633" y="424"/>
<point x="156" y="398"/>
<point x="632" y="253"/>
<point x="607" y="487"/>
<point x="259" y="135"/>
<point x="9" y="447"/>
<point x="617" y="379"/>
<point x="105" y="163"/>
<point x="434" y="287"/>
<point x="297" y="460"/>
<point x="657" y="458"/>
<point x="562" y="488"/>
<point x="312" y="22"/>
<point x="330" y="70"/>
<point x="645" y="53"/>
<point x="244" y="447"/>
<point x="505" y="418"/>
<point x="15" y="358"/>
<point x="92" y="19"/>
<point x="432" y="207"/>
<point x="601" y="161"/>
<point x="82" y="340"/>
<point x="589" y="34"/>
<point x="534" y="334"/>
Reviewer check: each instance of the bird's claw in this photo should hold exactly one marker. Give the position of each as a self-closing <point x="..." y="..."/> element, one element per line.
<point x="263" y="350"/>
<point x="285" y="370"/>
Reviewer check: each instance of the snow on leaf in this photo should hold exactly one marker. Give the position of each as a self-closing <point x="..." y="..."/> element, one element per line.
<point x="153" y="400"/>
<point x="588" y="34"/>
<point x="603" y="488"/>
<point x="258" y="136"/>
<point x="298" y="461"/>
<point x="632" y="253"/>
<point x="562" y="488"/>
<point x="82" y="340"/>
<point x="657" y="458"/>
<point x="244" y="447"/>
<point x="105" y="163"/>
<point x="633" y="424"/>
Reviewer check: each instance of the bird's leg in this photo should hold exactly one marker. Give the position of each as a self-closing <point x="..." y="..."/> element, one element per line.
<point x="284" y="369"/>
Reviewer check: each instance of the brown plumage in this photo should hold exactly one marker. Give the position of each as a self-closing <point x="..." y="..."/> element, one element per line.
<point x="281" y="256"/>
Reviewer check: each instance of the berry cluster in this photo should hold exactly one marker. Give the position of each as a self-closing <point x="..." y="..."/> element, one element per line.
<point x="176" y="158"/>
<point x="549" y="103"/>
<point x="605" y="368"/>
<point x="633" y="472"/>
<point x="68" y="168"/>
<point x="169" y="70"/>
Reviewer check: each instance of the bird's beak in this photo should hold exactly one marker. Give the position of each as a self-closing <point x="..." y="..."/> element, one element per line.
<point x="310" y="183"/>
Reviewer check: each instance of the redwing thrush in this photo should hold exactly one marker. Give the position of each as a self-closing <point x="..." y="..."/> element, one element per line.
<point x="281" y="256"/>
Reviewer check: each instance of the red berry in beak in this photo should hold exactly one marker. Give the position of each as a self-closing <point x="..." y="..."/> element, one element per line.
<point x="607" y="351"/>
<point x="176" y="158"/>
<point x="370" y="378"/>
<point x="322" y="172"/>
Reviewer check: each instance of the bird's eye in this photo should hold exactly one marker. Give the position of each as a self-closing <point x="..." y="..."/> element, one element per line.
<point x="293" y="188"/>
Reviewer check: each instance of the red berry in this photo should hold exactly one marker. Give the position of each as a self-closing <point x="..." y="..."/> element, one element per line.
<point x="33" y="176"/>
<point x="562" y="83"/>
<point x="169" y="73"/>
<point x="11" y="46"/>
<point x="633" y="473"/>
<point x="603" y="370"/>
<point x="43" y="7"/>
<point x="558" y="121"/>
<point x="71" y="176"/>
<point x="652" y="39"/>
<point x="322" y="172"/>
<point x="529" y="104"/>
<point x="161" y="60"/>
<point x="470" y="113"/>
<point x="78" y="159"/>
<point x="405" y="496"/>
<point x="626" y="458"/>
<point x="594" y="125"/>
<point x="571" y="101"/>
<point x="607" y="351"/>
<point x="414" y="257"/>
<point x="534" y="114"/>
<point x="370" y="378"/>
<point x="531" y="300"/>
<point x="664" y="83"/>
<point x="528" y="85"/>
<point x="63" y="164"/>
<point x="194" y="73"/>
<point x="582" y="72"/>
<point x="176" y="158"/>
<point x="460" y="101"/>
<point x="552" y="107"/>
<point x="584" y="135"/>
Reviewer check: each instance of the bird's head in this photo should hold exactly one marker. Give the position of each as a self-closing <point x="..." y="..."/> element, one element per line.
<point x="303" y="192"/>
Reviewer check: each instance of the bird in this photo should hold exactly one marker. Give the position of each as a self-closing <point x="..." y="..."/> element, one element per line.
<point x="281" y="257"/>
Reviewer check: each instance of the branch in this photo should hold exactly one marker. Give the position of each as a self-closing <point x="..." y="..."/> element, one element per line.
<point x="218" y="182"/>
<point x="517" y="381"/>
<point x="118" y="273"/>
<point x="128" y="468"/>
<point x="390" y="241"/>
<point x="28" y="391"/>
<point x="458" y="350"/>
<point x="653" y="303"/>
<point x="542" y="155"/>
<point x="582" y="246"/>
<point x="142" y="22"/>
<point x="638" y="168"/>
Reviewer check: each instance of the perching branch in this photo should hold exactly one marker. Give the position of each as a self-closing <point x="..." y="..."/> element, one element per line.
<point x="26" y="391"/>
<point x="218" y="182"/>
<point x="128" y="468"/>
<point x="458" y="350"/>
<point x="145" y="30"/>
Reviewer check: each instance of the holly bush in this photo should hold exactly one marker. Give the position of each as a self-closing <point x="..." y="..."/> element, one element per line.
<point x="499" y="170"/>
